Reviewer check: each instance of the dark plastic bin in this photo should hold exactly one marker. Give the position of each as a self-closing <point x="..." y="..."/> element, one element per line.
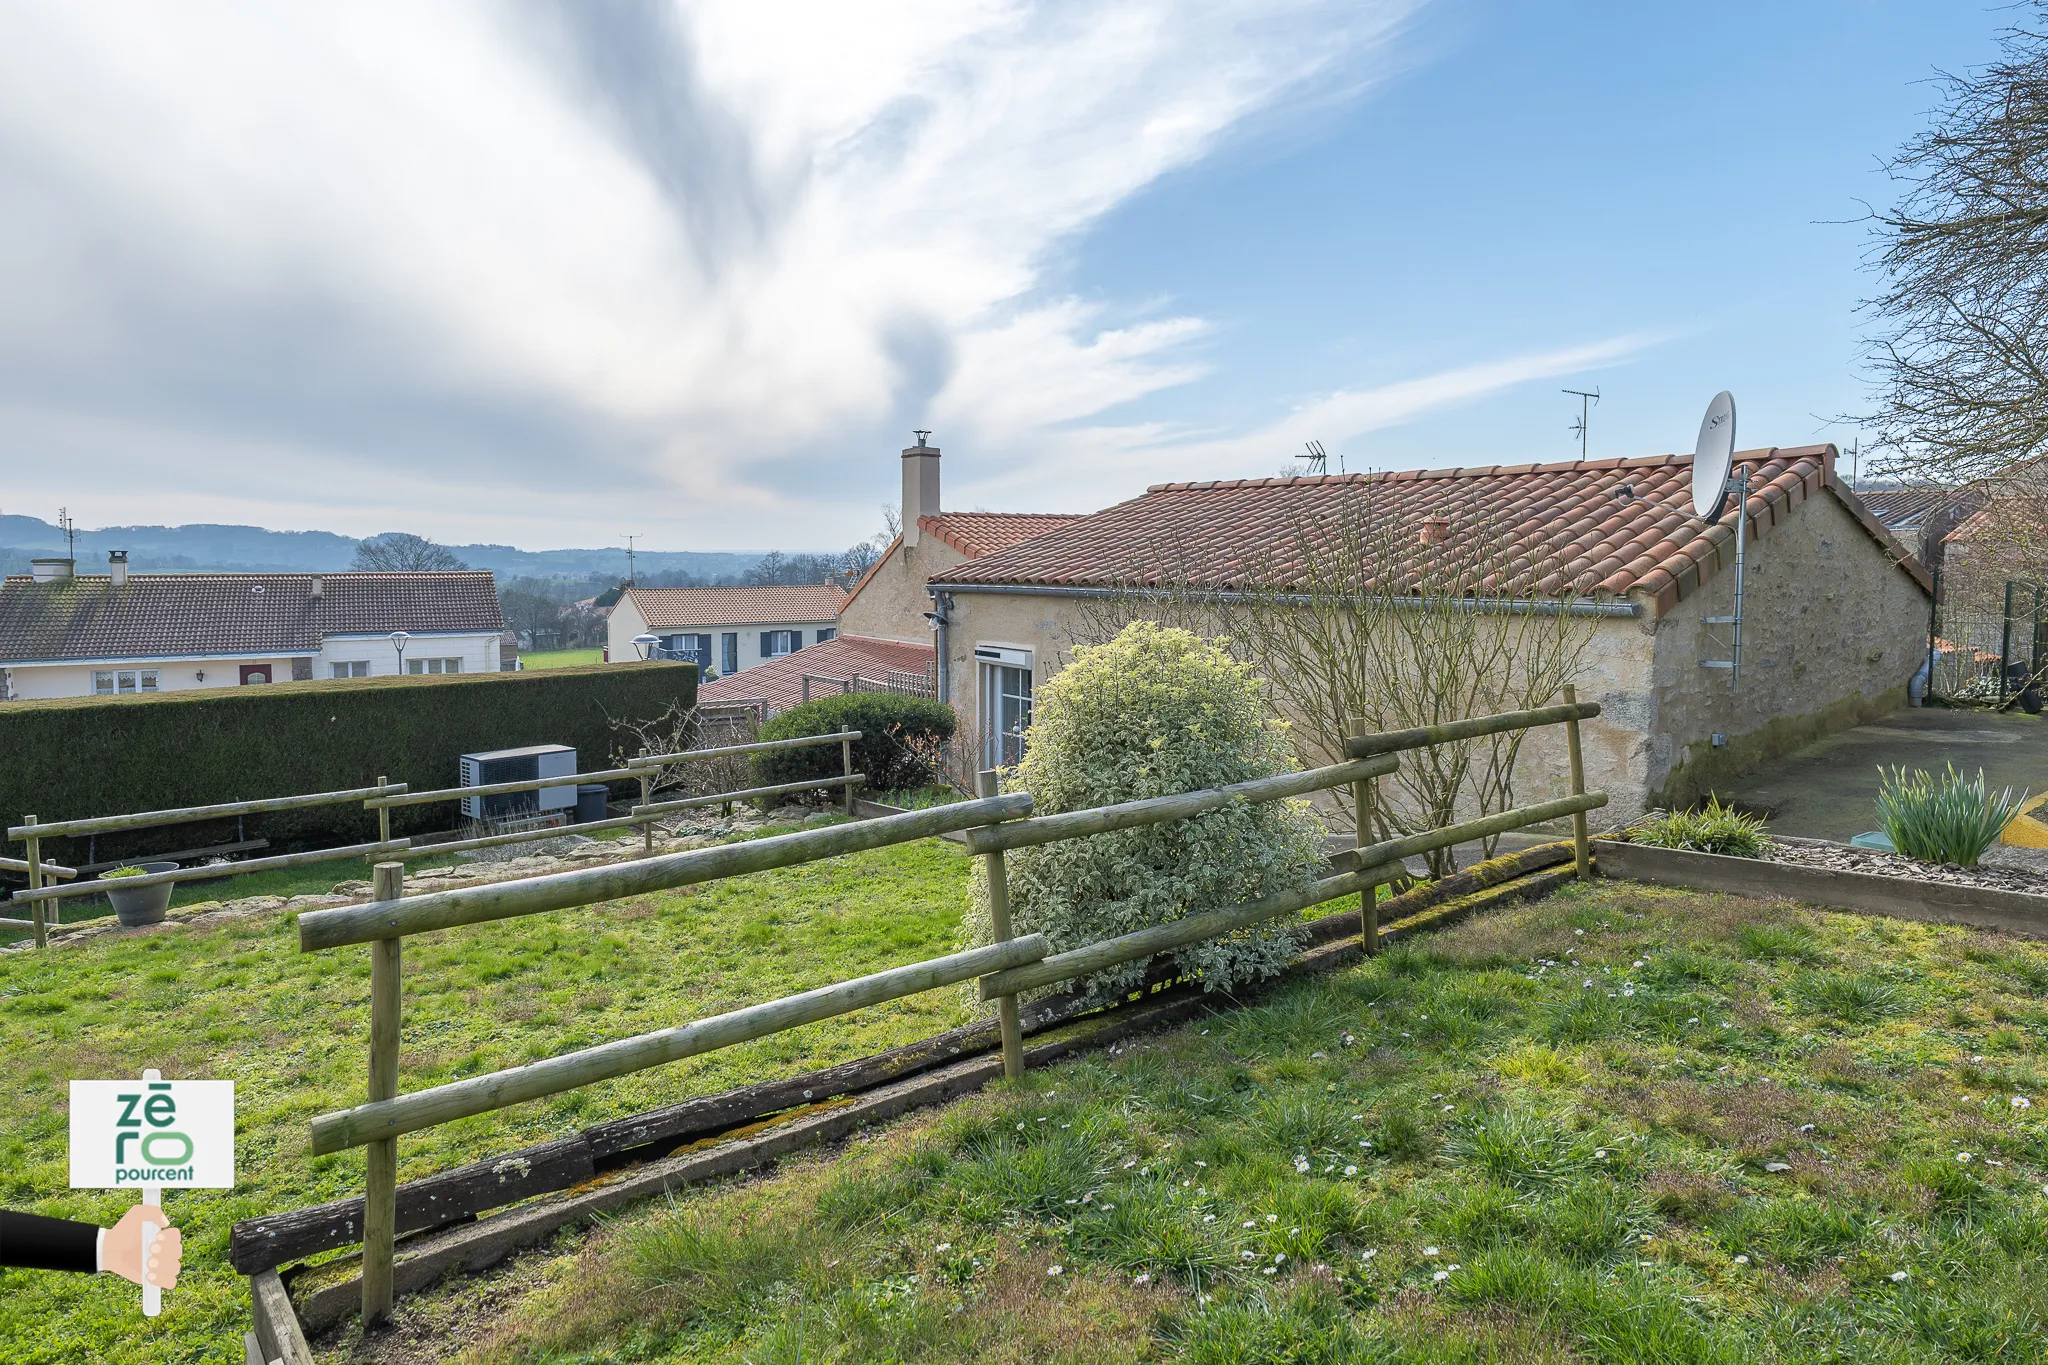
<point x="591" y="798"/>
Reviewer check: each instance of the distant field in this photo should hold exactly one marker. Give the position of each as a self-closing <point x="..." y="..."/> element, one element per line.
<point x="561" y="658"/>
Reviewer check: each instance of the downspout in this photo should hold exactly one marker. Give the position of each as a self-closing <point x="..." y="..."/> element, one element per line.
<point x="939" y="616"/>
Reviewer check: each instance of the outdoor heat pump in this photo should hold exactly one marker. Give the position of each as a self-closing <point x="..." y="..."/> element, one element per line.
<point x="519" y="765"/>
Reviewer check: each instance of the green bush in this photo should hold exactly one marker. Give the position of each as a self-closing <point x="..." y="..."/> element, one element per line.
<point x="123" y="872"/>
<point x="1716" y="829"/>
<point x="901" y="737"/>
<point x="1947" y="820"/>
<point x="1153" y="712"/>
<point x="73" y="757"/>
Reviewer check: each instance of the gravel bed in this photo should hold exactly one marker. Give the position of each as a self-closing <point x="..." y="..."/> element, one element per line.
<point x="2010" y="869"/>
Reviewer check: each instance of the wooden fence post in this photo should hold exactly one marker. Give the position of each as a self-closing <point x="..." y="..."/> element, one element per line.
<point x="1581" y="851"/>
<point x="380" y="1191"/>
<point x="647" y="799"/>
<point x="1361" y="824"/>
<point x="986" y="784"/>
<point x="846" y="757"/>
<point x="383" y="819"/>
<point x="35" y="883"/>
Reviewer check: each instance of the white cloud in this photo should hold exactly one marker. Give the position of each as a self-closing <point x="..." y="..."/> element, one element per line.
<point x="507" y="271"/>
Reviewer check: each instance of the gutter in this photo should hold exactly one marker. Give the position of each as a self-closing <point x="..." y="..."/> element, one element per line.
<point x="1534" y="606"/>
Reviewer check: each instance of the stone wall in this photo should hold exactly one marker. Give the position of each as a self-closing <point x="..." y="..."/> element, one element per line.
<point x="1832" y="631"/>
<point x="892" y="603"/>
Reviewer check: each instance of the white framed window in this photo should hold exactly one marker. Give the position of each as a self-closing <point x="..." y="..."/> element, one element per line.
<point x="777" y="643"/>
<point x="433" y="665"/>
<point x="1005" y="702"/>
<point x="116" y="681"/>
<point x="350" y="668"/>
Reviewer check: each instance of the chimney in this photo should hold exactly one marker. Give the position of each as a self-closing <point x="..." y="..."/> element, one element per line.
<point x="920" y="485"/>
<point x="49" y="570"/>
<point x="1436" y="529"/>
<point x="319" y="587"/>
<point x="117" y="567"/>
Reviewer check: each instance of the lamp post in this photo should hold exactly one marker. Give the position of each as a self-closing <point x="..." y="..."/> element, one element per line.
<point x="398" y="639"/>
<point x="643" y="645"/>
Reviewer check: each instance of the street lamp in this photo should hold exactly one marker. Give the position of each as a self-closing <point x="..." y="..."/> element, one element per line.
<point x="643" y="645"/>
<point x="398" y="639"/>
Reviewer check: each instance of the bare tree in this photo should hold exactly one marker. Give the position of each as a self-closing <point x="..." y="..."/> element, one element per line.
<point x="1356" y="612"/>
<point x="404" y="552"/>
<point x="1960" y="344"/>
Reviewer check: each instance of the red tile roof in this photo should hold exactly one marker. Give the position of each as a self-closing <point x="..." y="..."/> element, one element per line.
<point x="975" y="534"/>
<point x="193" y="615"/>
<point x="675" y="608"/>
<point x="780" y="681"/>
<point x="1607" y="528"/>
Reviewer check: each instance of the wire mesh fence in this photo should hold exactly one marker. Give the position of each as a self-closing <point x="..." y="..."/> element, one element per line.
<point x="1991" y="653"/>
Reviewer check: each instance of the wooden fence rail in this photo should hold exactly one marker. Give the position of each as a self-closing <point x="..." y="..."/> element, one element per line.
<point x="100" y="824"/>
<point x="992" y="823"/>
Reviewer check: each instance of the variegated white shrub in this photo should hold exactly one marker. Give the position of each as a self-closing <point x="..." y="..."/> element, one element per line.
<point x="1155" y="711"/>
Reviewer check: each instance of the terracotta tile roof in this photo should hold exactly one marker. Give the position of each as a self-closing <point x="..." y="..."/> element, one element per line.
<point x="673" y="608"/>
<point x="2001" y="521"/>
<point x="780" y="681"/>
<point x="975" y="534"/>
<point x="186" y="615"/>
<point x="1568" y="526"/>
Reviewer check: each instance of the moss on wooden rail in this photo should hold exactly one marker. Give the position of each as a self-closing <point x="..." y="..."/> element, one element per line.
<point x="343" y="925"/>
<point x="1155" y="810"/>
<point x="100" y="824"/>
<point x="1477" y="727"/>
<point x="389" y="1118"/>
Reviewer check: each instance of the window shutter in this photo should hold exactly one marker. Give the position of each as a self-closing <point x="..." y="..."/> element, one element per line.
<point x="766" y="642"/>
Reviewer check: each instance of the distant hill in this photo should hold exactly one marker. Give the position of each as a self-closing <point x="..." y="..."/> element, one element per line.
<point x="252" y="549"/>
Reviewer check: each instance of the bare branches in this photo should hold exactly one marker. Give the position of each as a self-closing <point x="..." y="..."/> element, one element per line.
<point x="1960" y="345"/>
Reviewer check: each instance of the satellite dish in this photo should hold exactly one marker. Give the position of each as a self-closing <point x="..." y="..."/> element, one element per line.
<point x="1712" y="454"/>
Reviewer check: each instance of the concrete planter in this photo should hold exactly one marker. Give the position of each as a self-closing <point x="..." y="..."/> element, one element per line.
<point x="143" y="904"/>
<point x="1899" y="897"/>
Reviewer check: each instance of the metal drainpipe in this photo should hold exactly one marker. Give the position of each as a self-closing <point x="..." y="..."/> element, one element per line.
<point x="942" y="604"/>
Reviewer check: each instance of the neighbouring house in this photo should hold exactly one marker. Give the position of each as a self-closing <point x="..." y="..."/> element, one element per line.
<point x="1920" y="516"/>
<point x="64" y="634"/>
<point x="723" y="630"/>
<point x="1835" y="608"/>
<point x="884" y="640"/>
<point x="850" y="663"/>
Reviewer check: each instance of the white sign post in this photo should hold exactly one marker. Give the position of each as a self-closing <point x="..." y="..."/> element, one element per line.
<point x="154" y="1134"/>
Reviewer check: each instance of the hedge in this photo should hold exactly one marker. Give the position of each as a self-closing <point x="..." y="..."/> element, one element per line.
<point x="899" y="744"/>
<point x="73" y="757"/>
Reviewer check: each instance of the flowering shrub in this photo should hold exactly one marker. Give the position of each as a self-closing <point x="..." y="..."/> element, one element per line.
<point x="1153" y="712"/>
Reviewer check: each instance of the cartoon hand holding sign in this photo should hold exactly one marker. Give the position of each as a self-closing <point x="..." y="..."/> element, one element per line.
<point x="157" y="1134"/>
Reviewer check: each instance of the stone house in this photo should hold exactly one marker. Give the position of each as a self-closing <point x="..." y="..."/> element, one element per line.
<point x="1835" y="609"/>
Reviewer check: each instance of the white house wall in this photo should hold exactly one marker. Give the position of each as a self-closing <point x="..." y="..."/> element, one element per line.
<point x="620" y="634"/>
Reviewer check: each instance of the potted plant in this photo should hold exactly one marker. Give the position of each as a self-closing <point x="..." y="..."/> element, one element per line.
<point x="141" y="904"/>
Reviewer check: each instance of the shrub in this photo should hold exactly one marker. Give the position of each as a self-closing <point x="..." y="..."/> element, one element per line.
<point x="1943" y="821"/>
<point x="1153" y="712"/>
<point x="122" y="872"/>
<point x="73" y="757"/>
<point x="1715" y="829"/>
<point x="901" y="738"/>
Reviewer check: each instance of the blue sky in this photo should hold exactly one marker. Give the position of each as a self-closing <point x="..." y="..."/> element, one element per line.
<point x="547" y="274"/>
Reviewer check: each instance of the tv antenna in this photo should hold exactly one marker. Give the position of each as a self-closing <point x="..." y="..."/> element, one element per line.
<point x="1588" y="400"/>
<point x="1713" y="454"/>
<point x="70" y="530"/>
<point x="1318" y="459"/>
<point x="632" y="578"/>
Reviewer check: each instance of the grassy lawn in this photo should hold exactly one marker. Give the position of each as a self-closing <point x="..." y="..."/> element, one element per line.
<point x="561" y="658"/>
<point x="240" y="1002"/>
<point x="1623" y="1124"/>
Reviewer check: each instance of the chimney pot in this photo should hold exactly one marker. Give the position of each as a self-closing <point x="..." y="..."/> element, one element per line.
<point x="920" y="486"/>
<point x="117" y="567"/>
<point x="1436" y="529"/>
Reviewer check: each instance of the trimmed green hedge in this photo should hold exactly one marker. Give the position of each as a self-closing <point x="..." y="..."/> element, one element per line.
<point x="73" y="757"/>
<point x="899" y="744"/>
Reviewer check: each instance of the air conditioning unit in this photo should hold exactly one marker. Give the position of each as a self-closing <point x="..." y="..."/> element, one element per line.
<point x="519" y="765"/>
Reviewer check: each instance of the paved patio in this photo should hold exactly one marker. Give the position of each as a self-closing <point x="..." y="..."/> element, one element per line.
<point x="1828" y="790"/>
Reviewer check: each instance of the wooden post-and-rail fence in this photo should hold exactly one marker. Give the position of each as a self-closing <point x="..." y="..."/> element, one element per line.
<point x="992" y="823"/>
<point x="383" y="798"/>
